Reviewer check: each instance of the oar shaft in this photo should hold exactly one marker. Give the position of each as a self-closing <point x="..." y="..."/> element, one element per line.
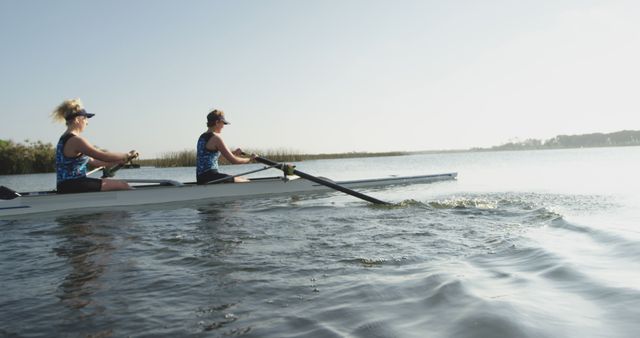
<point x="322" y="181"/>
<point x="95" y="170"/>
<point x="238" y="175"/>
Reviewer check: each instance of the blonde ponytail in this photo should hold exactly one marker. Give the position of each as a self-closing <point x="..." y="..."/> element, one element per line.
<point x="65" y="109"/>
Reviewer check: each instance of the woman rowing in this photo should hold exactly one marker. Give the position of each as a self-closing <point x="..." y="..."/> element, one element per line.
<point x="209" y="148"/>
<point x="74" y="152"/>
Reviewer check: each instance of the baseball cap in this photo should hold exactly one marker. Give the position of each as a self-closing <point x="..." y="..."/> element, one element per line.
<point x="213" y="117"/>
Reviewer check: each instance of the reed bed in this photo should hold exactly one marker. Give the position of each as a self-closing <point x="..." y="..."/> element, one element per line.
<point x="38" y="157"/>
<point x="30" y="157"/>
<point x="187" y="158"/>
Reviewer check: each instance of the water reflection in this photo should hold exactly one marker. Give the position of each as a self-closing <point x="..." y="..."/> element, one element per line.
<point x="88" y="244"/>
<point x="221" y="231"/>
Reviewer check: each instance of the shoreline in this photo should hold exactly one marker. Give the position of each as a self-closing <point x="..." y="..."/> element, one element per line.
<point x="189" y="161"/>
<point x="39" y="157"/>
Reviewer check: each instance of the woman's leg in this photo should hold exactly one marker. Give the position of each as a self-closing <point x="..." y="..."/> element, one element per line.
<point x="110" y="185"/>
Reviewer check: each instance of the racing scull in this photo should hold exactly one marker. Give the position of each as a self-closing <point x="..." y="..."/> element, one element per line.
<point x="166" y="191"/>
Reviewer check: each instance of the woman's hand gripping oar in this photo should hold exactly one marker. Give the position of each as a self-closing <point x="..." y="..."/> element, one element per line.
<point x="110" y="172"/>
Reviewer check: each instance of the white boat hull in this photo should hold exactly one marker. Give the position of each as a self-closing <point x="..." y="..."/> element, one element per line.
<point x="49" y="202"/>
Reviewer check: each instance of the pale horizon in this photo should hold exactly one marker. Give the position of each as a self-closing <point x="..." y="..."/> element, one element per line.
<point x="328" y="77"/>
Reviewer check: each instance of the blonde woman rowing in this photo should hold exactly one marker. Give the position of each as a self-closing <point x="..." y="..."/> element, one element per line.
<point x="74" y="153"/>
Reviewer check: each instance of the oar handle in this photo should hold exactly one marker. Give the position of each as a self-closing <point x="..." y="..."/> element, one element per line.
<point x="110" y="172"/>
<point x="319" y="180"/>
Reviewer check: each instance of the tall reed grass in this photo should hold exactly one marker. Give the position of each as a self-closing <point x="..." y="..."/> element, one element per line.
<point x="30" y="157"/>
<point x="187" y="158"/>
<point x="38" y="157"/>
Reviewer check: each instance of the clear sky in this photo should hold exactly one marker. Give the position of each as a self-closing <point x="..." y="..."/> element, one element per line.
<point x="321" y="76"/>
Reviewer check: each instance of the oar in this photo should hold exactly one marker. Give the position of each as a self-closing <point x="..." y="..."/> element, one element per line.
<point x="110" y="172"/>
<point x="7" y="193"/>
<point x="106" y="172"/>
<point x="95" y="170"/>
<point x="319" y="180"/>
<point x="224" y="179"/>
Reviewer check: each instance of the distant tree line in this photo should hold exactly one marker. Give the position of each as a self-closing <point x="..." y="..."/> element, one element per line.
<point x="617" y="139"/>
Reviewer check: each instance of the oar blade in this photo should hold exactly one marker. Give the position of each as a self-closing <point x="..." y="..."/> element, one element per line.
<point x="7" y="194"/>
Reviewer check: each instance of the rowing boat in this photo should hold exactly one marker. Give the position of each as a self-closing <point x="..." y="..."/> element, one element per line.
<point x="167" y="191"/>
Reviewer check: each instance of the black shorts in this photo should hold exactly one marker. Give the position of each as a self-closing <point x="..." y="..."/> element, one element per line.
<point x="76" y="185"/>
<point x="212" y="175"/>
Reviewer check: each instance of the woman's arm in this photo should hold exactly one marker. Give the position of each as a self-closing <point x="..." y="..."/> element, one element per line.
<point x="80" y="145"/>
<point x="224" y="150"/>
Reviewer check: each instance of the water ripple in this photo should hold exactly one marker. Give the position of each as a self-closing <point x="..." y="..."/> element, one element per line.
<point x="455" y="265"/>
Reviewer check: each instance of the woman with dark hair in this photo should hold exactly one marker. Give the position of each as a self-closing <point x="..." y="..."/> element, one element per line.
<point x="209" y="148"/>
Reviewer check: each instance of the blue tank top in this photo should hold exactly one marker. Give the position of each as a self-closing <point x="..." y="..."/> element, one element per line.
<point x="206" y="159"/>
<point x="68" y="168"/>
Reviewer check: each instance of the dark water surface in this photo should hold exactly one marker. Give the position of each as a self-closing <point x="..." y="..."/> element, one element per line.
<point x="524" y="244"/>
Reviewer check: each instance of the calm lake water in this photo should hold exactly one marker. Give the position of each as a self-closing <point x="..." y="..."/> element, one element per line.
<point x="523" y="244"/>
